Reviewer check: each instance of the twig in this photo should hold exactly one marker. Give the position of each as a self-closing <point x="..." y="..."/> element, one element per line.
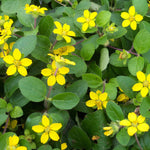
<point x="138" y="142"/>
<point x="53" y="45"/>
<point x="78" y="42"/>
<point x="34" y="23"/>
<point x="104" y="83"/>
<point x="69" y="3"/>
<point x="60" y="3"/>
<point x="17" y="35"/>
<point x="6" y="125"/>
<point x="115" y="48"/>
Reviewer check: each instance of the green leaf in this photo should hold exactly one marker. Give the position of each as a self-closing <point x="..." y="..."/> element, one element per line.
<point x="126" y="83"/>
<point x="45" y="147"/>
<point x="10" y="7"/>
<point x="26" y="44"/>
<point x="25" y="19"/>
<point x="25" y="143"/>
<point x="78" y="87"/>
<point x="65" y="101"/>
<point x="145" y="25"/>
<point x="32" y="88"/>
<point x="141" y="7"/>
<point x="3" y="103"/>
<point x="84" y="4"/>
<point x="119" y="147"/>
<point x="148" y="69"/>
<point x="114" y="111"/>
<point x="103" y="18"/>
<point x="135" y="64"/>
<point x="42" y="49"/>
<point x="111" y="90"/>
<point x="145" y="107"/>
<point x="3" y="116"/>
<point x="144" y="141"/>
<point x="104" y="58"/>
<point x="123" y="137"/>
<point x="141" y="42"/>
<point x="79" y="139"/>
<point x="46" y="26"/>
<point x="102" y="40"/>
<point x="16" y="112"/>
<point x="93" y="80"/>
<point x="88" y="47"/>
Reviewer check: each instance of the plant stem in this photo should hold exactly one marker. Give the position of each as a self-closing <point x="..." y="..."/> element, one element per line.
<point x="138" y="142"/>
<point x="17" y="35"/>
<point x="34" y="23"/>
<point x="53" y="45"/>
<point x="104" y="83"/>
<point x="70" y="3"/>
<point x="115" y="48"/>
<point x="6" y="125"/>
<point x="78" y="42"/>
<point x="60" y="3"/>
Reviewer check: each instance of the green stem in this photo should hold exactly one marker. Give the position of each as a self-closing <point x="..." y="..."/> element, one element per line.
<point x="138" y="142"/>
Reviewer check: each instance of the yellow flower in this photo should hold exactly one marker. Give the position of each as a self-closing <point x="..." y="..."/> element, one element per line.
<point x="112" y="28"/>
<point x="55" y="74"/>
<point x="122" y="98"/>
<point x="108" y="131"/>
<point x="16" y="63"/>
<point x="88" y="20"/>
<point x="63" y="32"/>
<point x="98" y="99"/>
<point x="6" y="49"/>
<point x="11" y="124"/>
<point x="13" y="142"/>
<point x="35" y="10"/>
<point x="144" y="84"/>
<point x="131" y="18"/>
<point x="48" y="129"/>
<point x="135" y="124"/>
<point x="63" y="146"/>
<point x="64" y="50"/>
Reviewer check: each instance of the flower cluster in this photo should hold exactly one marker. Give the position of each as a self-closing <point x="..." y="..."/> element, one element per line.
<point x="5" y="28"/>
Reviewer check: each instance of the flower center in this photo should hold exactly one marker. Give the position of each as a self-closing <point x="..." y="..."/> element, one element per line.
<point x="132" y="18"/>
<point x="88" y="20"/>
<point x="47" y="129"/>
<point x="17" y="63"/>
<point x="145" y="83"/>
<point x="134" y="124"/>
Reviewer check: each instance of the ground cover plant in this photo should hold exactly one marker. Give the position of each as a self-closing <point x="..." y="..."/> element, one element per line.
<point x="74" y="74"/>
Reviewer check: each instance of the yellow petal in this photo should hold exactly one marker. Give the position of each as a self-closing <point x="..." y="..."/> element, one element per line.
<point x="38" y="128"/>
<point x="86" y="13"/>
<point x="85" y="26"/>
<point x="124" y="15"/>
<point x="26" y="62"/>
<point x="13" y="140"/>
<point x="93" y="95"/>
<point x="90" y="103"/>
<point x="45" y="121"/>
<point x="148" y="78"/>
<point x="92" y="23"/>
<point x="132" y="117"/>
<point x="98" y="92"/>
<point x="63" y="70"/>
<point x="60" y="79"/>
<point x="144" y="91"/>
<point x="132" y="11"/>
<point x="140" y="119"/>
<point x="138" y="17"/>
<point x="108" y="133"/>
<point x="22" y="70"/>
<point x="137" y="87"/>
<point x="63" y="146"/>
<point x="107" y="128"/>
<point x="54" y="136"/>
<point x="105" y="104"/>
<point x="5" y="46"/>
<point x="71" y="33"/>
<point x="55" y="126"/>
<point x="93" y="15"/>
<point x="122" y="97"/>
<point x="103" y="96"/>
<point x="70" y="49"/>
<point x="13" y="124"/>
<point x="51" y="80"/>
<point x="66" y="27"/>
<point x="143" y="127"/>
<point x="133" y="25"/>
<point x="11" y="45"/>
<point x="67" y="39"/>
<point x="46" y="72"/>
<point x="21" y="148"/>
<point x="131" y="130"/>
<point x="99" y="105"/>
<point x="125" y="23"/>
<point x="44" y="138"/>
<point x="58" y="24"/>
<point x="8" y="59"/>
<point x="16" y="54"/>
<point x="141" y="76"/>
<point x="11" y="70"/>
<point x="81" y="19"/>
<point x="125" y="122"/>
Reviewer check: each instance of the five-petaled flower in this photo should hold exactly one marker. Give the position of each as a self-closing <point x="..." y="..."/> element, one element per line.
<point x="48" y="128"/>
<point x="135" y="124"/>
<point x="13" y="142"/>
<point x="63" y="31"/>
<point x="16" y="63"/>
<point x="144" y="84"/>
<point x="98" y="99"/>
<point x="131" y="18"/>
<point x="88" y="20"/>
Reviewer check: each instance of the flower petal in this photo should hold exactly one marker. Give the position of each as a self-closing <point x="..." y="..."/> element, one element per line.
<point x="58" y="24"/>
<point x="125" y="15"/>
<point x="144" y="91"/>
<point x="138" y="17"/>
<point x="44" y="138"/>
<point x="141" y="76"/>
<point x="46" y="72"/>
<point x="132" y="11"/>
<point x="107" y="128"/>
<point x="45" y="121"/>
<point x="85" y="26"/>
<point x="148" y="78"/>
<point x="60" y="79"/>
<point x="21" y="148"/>
<point x="143" y="127"/>
<point x="13" y="140"/>
<point x="26" y="62"/>
<point x="66" y="27"/>
<point x="93" y="15"/>
<point x="131" y="130"/>
<point x="55" y="126"/>
<point x="63" y="146"/>
<point x="81" y="19"/>
<point x="51" y="80"/>
<point x="132" y="117"/>
<point x="93" y="95"/>
<point x="38" y="128"/>
<point x="108" y="133"/>
<point x="137" y="87"/>
<point x="71" y="33"/>
<point x="67" y="38"/>
<point x="86" y="13"/>
<point x="133" y="25"/>
<point x="22" y="70"/>
<point x="103" y="96"/>
<point x="125" y="23"/>
<point x="125" y="122"/>
<point x="105" y="104"/>
<point x="140" y="119"/>
<point x="92" y="23"/>
<point x="11" y="70"/>
<point x="17" y="54"/>
<point x="90" y="103"/>
<point x="54" y="136"/>
<point x="63" y="70"/>
<point x="8" y="59"/>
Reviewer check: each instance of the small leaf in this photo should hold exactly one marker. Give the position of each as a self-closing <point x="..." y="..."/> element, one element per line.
<point x="16" y="112"/>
